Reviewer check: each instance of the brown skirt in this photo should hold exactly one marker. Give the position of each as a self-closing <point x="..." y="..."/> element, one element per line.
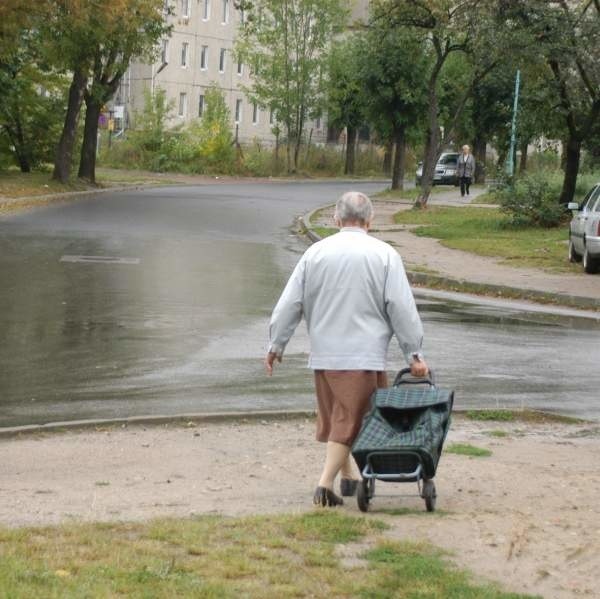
<point x="342" y="401"/>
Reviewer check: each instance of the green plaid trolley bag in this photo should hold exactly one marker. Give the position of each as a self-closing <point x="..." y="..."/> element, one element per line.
<point x="402" y="435"/>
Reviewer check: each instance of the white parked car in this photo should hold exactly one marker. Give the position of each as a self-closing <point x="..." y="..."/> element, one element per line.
<point x="445" y="170"/>
<point x="584" y="231"/>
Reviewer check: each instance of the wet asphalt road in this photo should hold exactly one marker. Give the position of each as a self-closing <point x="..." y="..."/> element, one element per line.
<point x="157" y="302"/>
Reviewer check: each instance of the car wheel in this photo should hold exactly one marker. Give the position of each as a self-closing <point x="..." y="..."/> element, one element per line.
<point x="590" y="264"/>
<point x="573" y="255"/>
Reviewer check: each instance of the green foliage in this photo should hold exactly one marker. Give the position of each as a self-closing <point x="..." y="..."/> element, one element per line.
<point x="532" y="201"/>
<point x="30" y="104"/>
<point x="209" y="138"/>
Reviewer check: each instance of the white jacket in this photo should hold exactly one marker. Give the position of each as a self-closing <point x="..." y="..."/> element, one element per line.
<point x="353" y="292"/>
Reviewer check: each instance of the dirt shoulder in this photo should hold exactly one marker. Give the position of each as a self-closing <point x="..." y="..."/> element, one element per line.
<point x="432" y="262"/>
<point x="526" y="516"/>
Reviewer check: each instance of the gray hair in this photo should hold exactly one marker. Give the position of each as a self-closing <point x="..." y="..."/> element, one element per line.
<point x="354" y="206"/>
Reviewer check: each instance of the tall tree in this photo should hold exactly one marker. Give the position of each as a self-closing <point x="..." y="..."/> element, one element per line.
<point x="129" y="28"/>
<point x="345" y="98"/>
<point x="391" y="66"/>
<point x="285" y="43"/>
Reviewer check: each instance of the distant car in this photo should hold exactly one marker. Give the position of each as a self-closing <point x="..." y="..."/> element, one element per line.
<point x="445" y="170"/>
<point x="584" y="231"/>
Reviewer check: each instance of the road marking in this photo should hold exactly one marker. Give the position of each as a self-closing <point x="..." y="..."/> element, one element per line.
<point x="100" y="259"/>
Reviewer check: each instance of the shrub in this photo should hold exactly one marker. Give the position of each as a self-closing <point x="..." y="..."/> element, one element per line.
<point x="532" y="200"/>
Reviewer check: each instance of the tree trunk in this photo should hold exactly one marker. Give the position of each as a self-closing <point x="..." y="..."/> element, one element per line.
<point x="479" y="153"/>
<point x="350" y="150"/>
<point x="64" y="150"/>
<point x="399" y="154"/>
<point x="387" y="159"/>
<point x="87" y="164"/>
<point x="573" y="155"/>
<point x="17" y="140"/>
<point x="523" y="160"/>
<point x="431" y="145"/>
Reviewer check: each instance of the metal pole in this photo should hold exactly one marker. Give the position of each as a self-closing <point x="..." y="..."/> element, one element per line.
<point x="510" y="165"/>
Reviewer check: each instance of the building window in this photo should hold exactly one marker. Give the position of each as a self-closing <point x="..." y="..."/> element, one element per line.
<point x="271" y="117"/>
<point x="238" y="111"/>
<point x="225" y="15"/>
<point x="318" y="123"/>
<point x="185" y="8"/>
<point x="254" y="114"/>
<point x="184" y="54"/>
<point x="240" y="67"/>
<point x="201" y="105"/>
<point x="164" y="52"/>
<point x="222" y="61"/>
<point x="242" y="15"/>
<point x="182" y="104"/>
<point x="204" y="58"/>
<point x="206" y="10"/>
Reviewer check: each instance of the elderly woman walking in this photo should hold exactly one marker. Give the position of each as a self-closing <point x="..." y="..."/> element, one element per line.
<point x="465" y="170"/>
<point x="353" y="292"/>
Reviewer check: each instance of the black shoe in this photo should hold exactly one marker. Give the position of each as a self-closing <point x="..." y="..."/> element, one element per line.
<point x="348" y="487"/>
<point x="325" y="497"/>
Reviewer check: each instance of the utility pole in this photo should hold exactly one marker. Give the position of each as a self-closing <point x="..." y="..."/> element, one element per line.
<point x="510" y="164"/>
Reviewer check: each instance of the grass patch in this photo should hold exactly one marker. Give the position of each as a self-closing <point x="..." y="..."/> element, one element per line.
<point x="494" y="415"/>
<point x="324" y="231"/>
<point x="211" y="556"/>
<point x="468" y="450"/>
<point x="485" y="232"/>
<point x="488" y="197"/>
<point x="529" y="416"/>
<point x="498" y="434"/>
<point x="408" y="194"/>
<point x="398" y="570"/>
<point x="14" y="184"/>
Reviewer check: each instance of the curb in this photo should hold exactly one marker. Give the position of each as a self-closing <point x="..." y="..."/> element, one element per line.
<point x="195" y="418"/>
<point x="449" y="283"/>
<point x="67" y="195"/>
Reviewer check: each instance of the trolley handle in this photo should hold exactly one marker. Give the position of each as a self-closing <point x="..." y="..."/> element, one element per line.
<point x="402" y="380"/>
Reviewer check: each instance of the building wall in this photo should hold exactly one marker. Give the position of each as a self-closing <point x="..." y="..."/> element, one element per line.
<point x="214" y="24"/>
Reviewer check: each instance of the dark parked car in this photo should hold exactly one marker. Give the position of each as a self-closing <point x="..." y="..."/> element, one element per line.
<point x="584" y="231"/>
<point x="445" y="170"/>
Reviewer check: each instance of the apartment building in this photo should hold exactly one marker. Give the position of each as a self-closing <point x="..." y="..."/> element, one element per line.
<point x="199" y="54"/>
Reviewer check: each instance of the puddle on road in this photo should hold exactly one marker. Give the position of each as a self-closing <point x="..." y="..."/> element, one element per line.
<point x="185" y="330"/>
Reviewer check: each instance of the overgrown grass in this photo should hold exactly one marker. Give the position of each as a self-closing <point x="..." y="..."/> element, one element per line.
<point x="15" y="184"/>
<point x="270" y="557"/>
<point x="485" y="232"/>
<point x="468" y="450"/>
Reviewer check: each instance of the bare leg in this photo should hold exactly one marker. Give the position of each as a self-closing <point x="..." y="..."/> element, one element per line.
<point x="336" y="458"/>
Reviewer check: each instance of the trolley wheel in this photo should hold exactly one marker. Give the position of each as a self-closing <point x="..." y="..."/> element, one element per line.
<point x="364" y="492"/>
<point x="429" y="495"/>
